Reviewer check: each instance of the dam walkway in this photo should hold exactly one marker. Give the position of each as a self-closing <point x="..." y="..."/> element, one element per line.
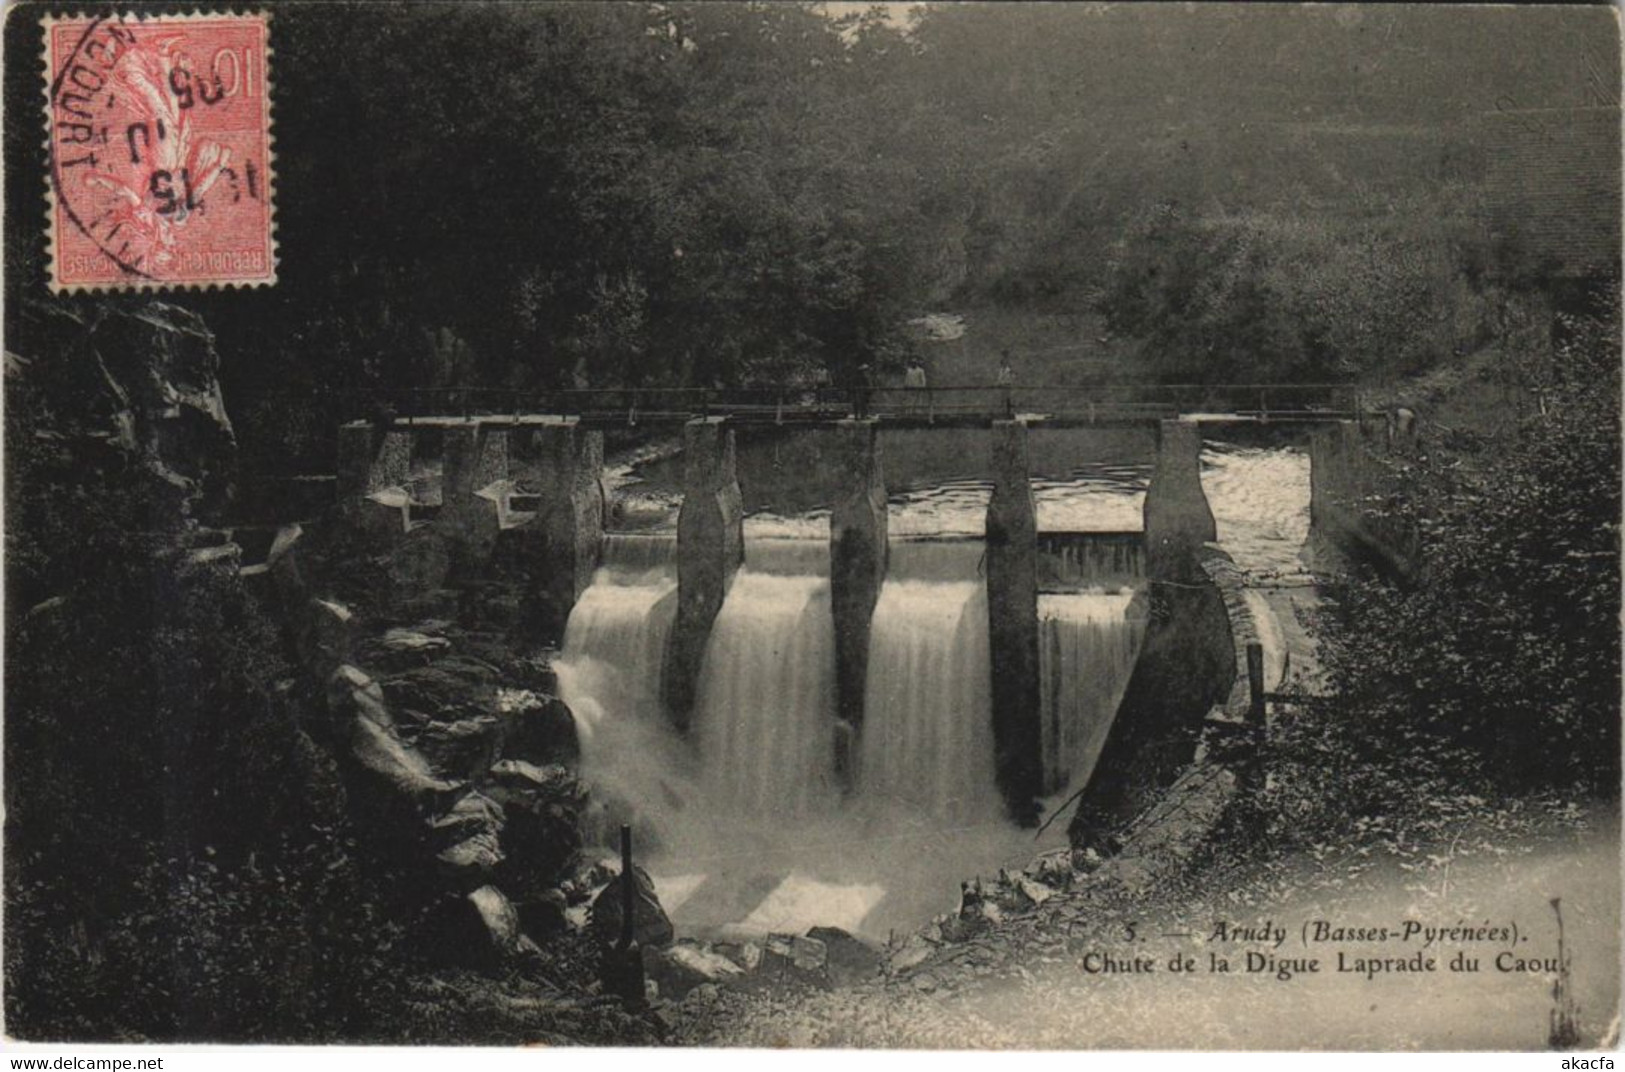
<point x="1057" y="405"/>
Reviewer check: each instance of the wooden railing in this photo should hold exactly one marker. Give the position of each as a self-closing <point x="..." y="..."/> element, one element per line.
<point x="782" y="405"/>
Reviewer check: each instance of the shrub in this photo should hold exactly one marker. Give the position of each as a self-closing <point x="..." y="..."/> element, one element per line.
<point x="1497" y="667"/>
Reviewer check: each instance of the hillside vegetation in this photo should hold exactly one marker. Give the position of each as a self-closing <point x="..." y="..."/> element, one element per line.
<point x="741" y="193"/>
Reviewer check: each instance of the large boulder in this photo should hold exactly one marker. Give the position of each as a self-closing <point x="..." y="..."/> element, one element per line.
<point x="687" y="965"/>
<point x="380" y="751"/>
<point x="391" y="788"/>
<point x="461" y="749"/>
<point x="478" y="930"/>
<point x="795" y="959"/>
<point x="651" y="926"/>
<point x="446" y="690"/>
<point x="351" y="690"/>
<point x="545" y="914"/>
<point x="541" y="809"/>
<point x="279" y="581"/>
<point x="849" y="960"/>
<point x="540" y="729"/>
<point x="468" y="841"/>
<point x="325" y="636"/>
<point x="403" y="648"/>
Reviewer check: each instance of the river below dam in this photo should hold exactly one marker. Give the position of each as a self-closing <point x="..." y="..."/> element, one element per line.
<point x="741" y="822"/>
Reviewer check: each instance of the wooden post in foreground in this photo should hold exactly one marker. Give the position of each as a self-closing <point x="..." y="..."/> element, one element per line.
<point x="1255" y="684"/>
<point x="623" y="962"/>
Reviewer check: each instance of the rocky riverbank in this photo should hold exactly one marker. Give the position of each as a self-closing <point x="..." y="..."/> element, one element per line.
<point x="1058" y="970"/>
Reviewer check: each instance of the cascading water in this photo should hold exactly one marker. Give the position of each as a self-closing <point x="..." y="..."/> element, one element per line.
<point x="630" y="555"/>
<point x="927" y="741"/>
<point x="1260" y="501"/>
<point x="618" y="629"/>
<point x="1078" y="560"/>
<point x="1088" y="642"/>
<point x="765" y="710"/>
<point x="740" y="823"/>
<point x="609" y="675"/>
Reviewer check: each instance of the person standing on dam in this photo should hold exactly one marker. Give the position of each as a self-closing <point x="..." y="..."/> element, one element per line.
<point x="914" y="381"/>
<point x="860" y="391"/>
<point x="1007" y="381"/>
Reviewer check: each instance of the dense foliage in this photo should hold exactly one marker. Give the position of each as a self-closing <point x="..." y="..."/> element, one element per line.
<point x="1496" y="668"/>
<point x="1295" y="293"/>
<point x="747" y="193"/>
<point x="176" y="851"/>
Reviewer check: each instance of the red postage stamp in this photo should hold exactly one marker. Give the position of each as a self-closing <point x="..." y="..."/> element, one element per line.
<point x="160" y="152"/>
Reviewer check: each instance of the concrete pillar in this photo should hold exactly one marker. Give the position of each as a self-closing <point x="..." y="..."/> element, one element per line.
<point x="1341" y="477"/>
<point x="1328" y="477"/>
<point x="710" y="548"/>
<point x="1336" y="484"/>
<point x="370" y="473"/>
<point x="392" y="466"/>
<point x="472" y="459"/>
<point x="571" y="513"/>
<point x="356" y="450"/>
<point x="857" y="568"/>
<point x="458" y="458"/>
<point x="491" y="459"/>
<point x="1178" y="519"/>
<point x="1012" y="607"/>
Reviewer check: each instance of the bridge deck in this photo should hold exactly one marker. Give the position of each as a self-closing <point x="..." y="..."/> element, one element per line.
<point x="906" y="407"/>
<point x="1103" y="419"/>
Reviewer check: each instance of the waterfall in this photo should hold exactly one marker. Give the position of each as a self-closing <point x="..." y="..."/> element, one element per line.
<point x="639" y="552"/>
<point x="609" y="675"/>
<point x="788" y="556"/>
<point x="1090" y="560"/>
<point x="935" y="560"/>
<point x="616" y="635"/>
<point x="1087" y="645"/>
<point x="765" y="710"/>
<point x="927" y="738"/>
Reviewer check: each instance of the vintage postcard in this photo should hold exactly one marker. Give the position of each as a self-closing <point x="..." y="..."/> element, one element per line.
<point x="931" y="526"/>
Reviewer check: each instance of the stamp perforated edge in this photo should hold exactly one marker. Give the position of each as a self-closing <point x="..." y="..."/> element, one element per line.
<point x="268" y="118"/>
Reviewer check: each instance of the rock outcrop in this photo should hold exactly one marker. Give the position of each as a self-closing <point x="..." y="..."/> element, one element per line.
<point x="145" y="381"/>
<point x="479" y="930"/>
<point x="460" y="784"/>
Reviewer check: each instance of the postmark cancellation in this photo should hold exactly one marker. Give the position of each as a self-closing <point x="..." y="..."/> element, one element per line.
<point x="160" y="151"/>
